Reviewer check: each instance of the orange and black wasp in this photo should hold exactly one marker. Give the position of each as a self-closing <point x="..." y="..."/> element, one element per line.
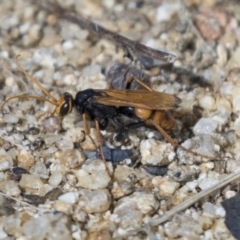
<point x="146" y="106"/>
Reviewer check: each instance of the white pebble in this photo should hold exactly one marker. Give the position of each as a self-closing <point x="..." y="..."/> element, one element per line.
<point x="68" y="45"/>
<point x="205" y="126"/>
<point x="207" y="183"/>
<point x="30" y="181"/>
<point x="220" y="211"/>
<point x="202" y="144"/>
<point x="94" y="201"/>
<point x="9" y="81"/>
<point x="70" y="79"/>
<point x="40" y="169"/>
<point x="69" y="197"/>
<point x="128" y="208"/>
<point x="93" y="175"/>
<point x="24" y="28"/>
<point x="72" y="158"/>
<point x="10" y="188"/>
<point x="209" y="208"/>
<point x="192" y="185"/>
<point x="145" y="201"/>
<point x="156" y="153"/>
<point x="236" y="126"/>
<point x="6" y="161"/>
<point x="109" y="4"/>
<point x="34" y="32"/>
<point x="75" y="135"/>
<point x="207" y="102"/>
<point x="229" y="194"/>
<point x="235" y="103"/>
<point x="4" y="54"/>
<point x="227" y="90"/>
<point x="91" y="70"/>
<point x="55" y="178"/>
<point x="222" y="55"/>
<point x="166" y="187"/>
<point x="166" y="10"/>
<point x="207" y="166"/>
<point x="3" y="235"/>
<point x="10" y="118"/>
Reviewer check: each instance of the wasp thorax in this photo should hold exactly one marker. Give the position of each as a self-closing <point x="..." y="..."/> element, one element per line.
<point x="65" y="105"/>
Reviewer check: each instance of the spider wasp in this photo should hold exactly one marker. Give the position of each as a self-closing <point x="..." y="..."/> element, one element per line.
<point x="148" y="107"/>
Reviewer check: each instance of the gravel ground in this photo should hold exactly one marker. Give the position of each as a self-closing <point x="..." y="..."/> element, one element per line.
<point x="53" y="186"/>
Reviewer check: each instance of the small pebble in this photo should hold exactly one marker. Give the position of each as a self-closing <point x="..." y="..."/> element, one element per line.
<point x="94" y="201"/>
<point x="207" y="102"/>
<point x="55" y="178"/>
<point x="6" y="161"/>
<point x="53" y="124"/>
<point x="10" y="118"/>
<point x="91" y="70"/>
<point x="207" y="183"/>
<point x="49" y="225"/>
<point x="130" y="209"/>
<point x="72" y="158"/>
<point x="40" y="169"/>
<point x="25" y="159"/>
<point x="165" y="187"/>
<point x="31" y="183"/>
<point x="209" y="208"/>
<point x="156" y="153"/>
<point x="122" y="189"/>
<point x="11" y="225"/>
<point x="167" y="10"/>
<point x="205" y="126"/>
<point x="93" y="175"/>
<point x="69" y="197"/>
<point x="10" y="188"/>
<point x="122" y="173"/>
<point x="230" y="194"/>
<point x="145" y="200"/>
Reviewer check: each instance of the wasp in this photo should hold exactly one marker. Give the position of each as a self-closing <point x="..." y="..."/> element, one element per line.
<point x="146" y="106"/>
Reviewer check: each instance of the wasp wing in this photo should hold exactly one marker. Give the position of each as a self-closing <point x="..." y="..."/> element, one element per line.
<point x="138" y="98"/>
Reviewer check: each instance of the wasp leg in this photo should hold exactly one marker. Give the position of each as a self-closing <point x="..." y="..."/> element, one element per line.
<point x="87" y="130"/>
<point x="170" y="140"/>
<point x="100" y="140"/>
<point x="124" y="129"/>
<point x="141" y="83"/>
<point x="110" y="86"/>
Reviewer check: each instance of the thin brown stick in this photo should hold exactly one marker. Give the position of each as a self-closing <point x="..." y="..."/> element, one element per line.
<point x="184" y="205"/>
<point x="133" y="48"/>
<point x="141" y="83"/>
<point x="54" y="101"/>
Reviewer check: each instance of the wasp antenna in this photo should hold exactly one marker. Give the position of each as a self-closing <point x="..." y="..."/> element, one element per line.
<point x="35" y="81"/>
<point x="28" y="96"/>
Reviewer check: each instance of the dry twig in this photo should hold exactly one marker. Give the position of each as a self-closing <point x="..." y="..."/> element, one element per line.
<point x="131" y="47"/>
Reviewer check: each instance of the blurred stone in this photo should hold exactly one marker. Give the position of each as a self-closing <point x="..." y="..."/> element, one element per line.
<point x="156" y="153"/>
<point x="32" y="184"/>
<point x="94" y="201"/>
<point x="93" y="175"/>
<point x="25" y="159"/>
<point x="10" y="188"/>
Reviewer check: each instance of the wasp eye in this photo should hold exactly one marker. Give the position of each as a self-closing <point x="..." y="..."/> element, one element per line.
<point x="64" y="109"/>
<point x="65" y="105"/>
